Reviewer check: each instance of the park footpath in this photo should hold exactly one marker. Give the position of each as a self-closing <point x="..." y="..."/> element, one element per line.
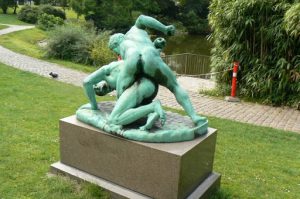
<point x="276" y="117"/>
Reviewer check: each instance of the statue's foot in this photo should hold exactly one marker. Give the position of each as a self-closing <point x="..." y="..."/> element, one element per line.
<point x="158" y="113"/>
<point x="111" y="128"/>
<point x="159" y="110"/>
<point x="88" y="106"/>
<point x="152" y="117"/>
<point x="201" y="125"/>
<point x="199" y="120"/>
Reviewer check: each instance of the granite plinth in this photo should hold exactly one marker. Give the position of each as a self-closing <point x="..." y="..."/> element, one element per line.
<point x="153" y="170"/>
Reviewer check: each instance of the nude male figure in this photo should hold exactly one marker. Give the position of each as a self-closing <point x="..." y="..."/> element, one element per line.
<point x="141" y="58"/>
<point x="134" y="103"/>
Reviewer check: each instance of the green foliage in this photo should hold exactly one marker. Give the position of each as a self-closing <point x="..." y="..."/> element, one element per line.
<point x="37" y="2"/>
<point x="252" y="32"/>
<point x="50" y="10"/>
<point x="195" y="24"/>
<point x="48" y="22"/>
<point x="118" y="15"/>
<point x="50" y="2"/>
<point x="194" y="16"/>
<point x="72" y="43"/>
<point x="28" y="14"/>
<point x="100" y="53"/>
<point x="4" y="4"/>
<point x="292" y="20"/>
<point x="111" y="15"/>
<point x="77" y="6"/>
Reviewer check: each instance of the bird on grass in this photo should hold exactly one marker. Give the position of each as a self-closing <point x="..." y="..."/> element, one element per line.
<point x="53" y="75"/>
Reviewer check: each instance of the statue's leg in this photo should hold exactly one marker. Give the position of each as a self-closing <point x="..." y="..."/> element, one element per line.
<point x="130" y="67"/>
<point x="165" y="77"/>
<point x="125" y="112"/>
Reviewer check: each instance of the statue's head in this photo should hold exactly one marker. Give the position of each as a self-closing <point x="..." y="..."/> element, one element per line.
<point x="159" y="43"/>
<point x="114" y="42"/>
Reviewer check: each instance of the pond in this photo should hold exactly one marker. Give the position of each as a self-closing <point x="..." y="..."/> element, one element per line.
<point x="188" y="54"/>
<point x="195" y="44"/>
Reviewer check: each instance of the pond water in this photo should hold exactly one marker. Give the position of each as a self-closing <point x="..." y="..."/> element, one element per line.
<point x="187" y="44"/>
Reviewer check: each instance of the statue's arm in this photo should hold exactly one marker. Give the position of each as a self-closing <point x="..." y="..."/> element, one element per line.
<point x="94" y="78"/>
<point x="143" y="22"/>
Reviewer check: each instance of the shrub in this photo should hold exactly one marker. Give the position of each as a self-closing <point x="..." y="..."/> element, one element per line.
<point x="50" y="10"/>
<point x="47" y="22"/>
<point x="253" y="33"/>
<point x="28" y="14"/>
<point x="72" y="43"/>
<point x="100" y="53"/>
<point x="292" y="19"/>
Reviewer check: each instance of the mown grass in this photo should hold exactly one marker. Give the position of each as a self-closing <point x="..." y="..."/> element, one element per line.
<point x="3" y="27"/>
<point x="31" y="108"/>
<point x="255" y="162"/>
<point x="26" y="42"/>
<point x="10" y="18"/>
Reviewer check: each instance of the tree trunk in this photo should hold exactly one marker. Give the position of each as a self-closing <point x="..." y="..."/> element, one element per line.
<point x="15" y="9"/>
<point x="4" y="10"/>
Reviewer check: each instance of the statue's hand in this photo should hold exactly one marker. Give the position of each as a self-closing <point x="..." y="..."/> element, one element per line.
<point x="170" y="30"/>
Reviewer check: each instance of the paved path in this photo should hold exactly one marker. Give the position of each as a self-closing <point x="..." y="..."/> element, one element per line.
<point x="280" y="118"/>
<point x="13" y="28"/>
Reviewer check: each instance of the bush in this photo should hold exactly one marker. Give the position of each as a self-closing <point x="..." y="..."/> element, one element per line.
<point x="50" y="10"/>
<point x="101" y="54"/>
<point x="253" y="33"/>
<point x="48" y="22"/>
<point x="292" y="19"/>
<point x="72" y="43"/>
<point x="28" y="14"/>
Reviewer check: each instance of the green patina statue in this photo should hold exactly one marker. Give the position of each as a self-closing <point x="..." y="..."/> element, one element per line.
<point x="136" y="78"/>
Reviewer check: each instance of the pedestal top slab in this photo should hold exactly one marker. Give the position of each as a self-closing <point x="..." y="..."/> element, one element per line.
<point x="178" y="148"/>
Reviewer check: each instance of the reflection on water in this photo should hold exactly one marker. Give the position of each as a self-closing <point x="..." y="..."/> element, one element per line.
<point x="187" y="44"/>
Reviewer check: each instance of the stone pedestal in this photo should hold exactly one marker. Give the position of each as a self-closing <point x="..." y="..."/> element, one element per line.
<point x="134" y="169"/>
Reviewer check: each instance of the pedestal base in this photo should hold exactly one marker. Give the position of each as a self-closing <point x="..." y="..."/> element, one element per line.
<point x="153" y="170"/>
<point x="211" y="183"/>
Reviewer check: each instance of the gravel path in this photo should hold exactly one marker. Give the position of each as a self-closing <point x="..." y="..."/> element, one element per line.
<point x="280" y="118"/>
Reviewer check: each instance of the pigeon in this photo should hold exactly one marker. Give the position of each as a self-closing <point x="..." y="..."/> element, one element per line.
<point x="53" y="75"/>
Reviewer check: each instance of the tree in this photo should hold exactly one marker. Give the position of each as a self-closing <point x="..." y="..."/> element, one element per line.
<point x="78" y="7"/>
<point x="194" y="16"/>
<point x="37" y="2"/>
<point x="64" y="4"/>
<point x="5" y="4"/>
<point x="111" y="15"/>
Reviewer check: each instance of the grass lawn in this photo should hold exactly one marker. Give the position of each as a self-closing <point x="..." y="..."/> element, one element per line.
<point x="255" y="162"/>
<point x="3" y="27"/>
<point x="10" y="18"/>
<point x="26" y="42"/>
